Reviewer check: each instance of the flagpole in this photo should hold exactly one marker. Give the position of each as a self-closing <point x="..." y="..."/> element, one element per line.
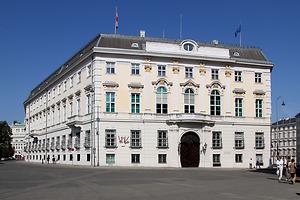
<point x="241" y="39"/>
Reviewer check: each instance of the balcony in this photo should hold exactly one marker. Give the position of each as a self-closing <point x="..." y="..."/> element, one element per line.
<point x="63" y="145"/>
<point x="52" y="146"/>
<point x="57" y="146"/>
<point x="43" y="147"/>
<point x="70" y="146"/>
<point x="87" y="143"/>
<point x="74" y="120"/>
<point x="40" y="148"/>
<point x="47" y="146"/>
<point x="190" y="118"/>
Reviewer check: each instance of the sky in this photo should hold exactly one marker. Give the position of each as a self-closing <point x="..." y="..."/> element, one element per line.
<point x="36" y="37"/>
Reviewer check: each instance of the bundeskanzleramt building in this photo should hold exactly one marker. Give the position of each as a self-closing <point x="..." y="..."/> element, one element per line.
<point x="140" y="101"/>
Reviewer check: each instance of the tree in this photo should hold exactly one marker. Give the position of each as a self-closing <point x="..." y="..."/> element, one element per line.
<point x="6" y="149"/>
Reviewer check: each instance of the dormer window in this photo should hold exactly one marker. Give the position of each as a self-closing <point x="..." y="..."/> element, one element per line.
<point x="188" y="46"/>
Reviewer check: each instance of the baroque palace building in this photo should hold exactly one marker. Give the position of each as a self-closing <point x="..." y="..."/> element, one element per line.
<point x="17" y="140"/>
<point x="141" y="101"/>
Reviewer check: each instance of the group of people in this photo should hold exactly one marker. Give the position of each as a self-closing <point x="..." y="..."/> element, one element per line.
<point x="289" y="167"/>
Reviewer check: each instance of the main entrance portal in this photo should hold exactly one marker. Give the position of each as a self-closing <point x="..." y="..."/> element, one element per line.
<point x="189" y="150"/>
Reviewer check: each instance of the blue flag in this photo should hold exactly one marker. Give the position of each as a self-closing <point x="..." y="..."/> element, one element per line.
<point x="238" y="30"/>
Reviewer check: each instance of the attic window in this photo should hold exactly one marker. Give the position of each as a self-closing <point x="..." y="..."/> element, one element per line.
<point x="134" y="45"/>
<point x="237" y="54"/>
<point x="188" y="46"/>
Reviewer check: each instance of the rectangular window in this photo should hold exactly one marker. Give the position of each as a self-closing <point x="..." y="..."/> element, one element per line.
<point x="78" y="157"/>
<point x="110" y="102"/>
<point x="258" y="78"/>
<point x="136" y="139"/>
<point x="110" y="158"/>
<point x="259" y="159"/>
<point x="188" y="72"/>
<point x="239" y="140"/>
<point x="89" y="71"/>
<point x="216" y="140"/>
<point x="161" y="69"/>
<point x="59" y="89"/>
<point x="162" y="139"/>
<point x="65" y="86"/>
<point x="238" y="158"/>
<point x="258" y="107"/>
<point x="238" y="107"/>
<point x="135" y="69"/>
<point x="215" y="74"/>
<point x="71" y="157"/>
<point x="110" y="138"/>
<point x="78" y="106"/>
<point x="135" y="103"/>
<point x="162" y="158"/>
<point x="89" y="104"/>
<point x="135" y="158"/>
<point x="79" y="77"/>
<point x="71" y="81"/>
<point x="259" y="141"/>
<point x="110" y="68"/>
<point x="216" y="160"/>
<point x="88" y="157"/>
<point x="71" y="109"/>
<point x="64" y="112"/>
<point x="238" y="76"/>
<point x="87" y="139"/>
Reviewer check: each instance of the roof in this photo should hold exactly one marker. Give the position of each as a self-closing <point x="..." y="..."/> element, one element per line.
<point x="285" y="121"/>
<point x="243" y="53"/>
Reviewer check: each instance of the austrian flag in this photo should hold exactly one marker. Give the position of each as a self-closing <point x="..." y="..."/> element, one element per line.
<point x="116" y="21"/>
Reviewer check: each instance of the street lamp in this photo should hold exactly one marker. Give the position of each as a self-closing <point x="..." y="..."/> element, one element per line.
<point x="277" y="130"/>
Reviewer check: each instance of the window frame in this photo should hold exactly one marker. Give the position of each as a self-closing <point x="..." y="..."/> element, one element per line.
<point x="135" y="105"/>
<point x="135" y="69"/>
<point x="217" y="140"/>
<point x="188" y="72"/>
<point x="110" y="102"/>
<point x="215" y="74"/>
<point x="162" y="139"/>
<point x="215" y="107"/>
<point x="189" y="101"/>
<point x="238" y="107"/>
<point x="110" y="68"/>
<point x="110" y="138"/>
<point x="161" y="70"/>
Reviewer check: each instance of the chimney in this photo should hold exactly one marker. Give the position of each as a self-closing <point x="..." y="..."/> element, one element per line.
<point x="142" y="33"/>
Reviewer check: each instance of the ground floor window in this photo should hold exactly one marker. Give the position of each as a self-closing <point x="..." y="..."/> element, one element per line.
<point x="259" y="159"/>
<point x="135" y="158"/>
<point x="110" y="158"/>
<point x="71" y="157"/>
<point x="40" y="157"/>
<point x="216" y="160"/>
<point x="64" y="157"/>
<point x="78" y="157"/>
<point x="58" y="157"/>
<point x="238" y="158"/>
<point x="162" y="158"/>
<point x="88" y="157"/>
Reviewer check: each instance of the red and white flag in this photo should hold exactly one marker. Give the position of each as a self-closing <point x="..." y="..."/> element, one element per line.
<point x="116" y="21"/>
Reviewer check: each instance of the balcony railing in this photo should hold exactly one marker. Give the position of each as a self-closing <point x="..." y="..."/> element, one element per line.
<point x="40" y="147"/>
<point x="57" y="147"/>
<point x="87" y="143"/>
<point x="43" y="147"/>
<point x="47" y="146"/>
<point x="77" y="143"/>
<point x="52" y="146"/>
<point x="70" y="146"/>
<point x="63" y="145"/>
<point x="74" y="120"/>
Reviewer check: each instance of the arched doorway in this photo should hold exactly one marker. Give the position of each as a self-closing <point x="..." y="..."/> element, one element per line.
<point x="189" y="150"/>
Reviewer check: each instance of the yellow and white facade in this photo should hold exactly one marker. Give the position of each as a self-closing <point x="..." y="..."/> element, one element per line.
<point x="138" y="101"/>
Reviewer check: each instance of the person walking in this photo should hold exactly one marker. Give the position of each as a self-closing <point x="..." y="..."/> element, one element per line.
<point x="293" y="169"/>
<point x="279" y="164"/>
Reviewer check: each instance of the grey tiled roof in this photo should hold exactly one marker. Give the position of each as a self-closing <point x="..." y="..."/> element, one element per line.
<point x="125" y="42"/>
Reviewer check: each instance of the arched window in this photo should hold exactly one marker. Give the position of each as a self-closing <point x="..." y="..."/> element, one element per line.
<point x="215" y="103"/>
<point x="161" y="100"/>
<point x="189" y="101"/>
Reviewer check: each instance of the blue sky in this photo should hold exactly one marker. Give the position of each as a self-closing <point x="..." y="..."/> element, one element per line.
<point x="38" y="36"/>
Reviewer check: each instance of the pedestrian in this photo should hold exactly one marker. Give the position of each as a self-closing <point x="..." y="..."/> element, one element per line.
<point x="257" y="164"/>
<point x="279" y="164"/>
<point x="287" y="168"/>
<point x="293" y="169"/>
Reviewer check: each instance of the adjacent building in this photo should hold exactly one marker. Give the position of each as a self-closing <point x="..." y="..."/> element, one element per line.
<point x="18" y="140"/>
<point x="141" y="101"/>
<point x="284" y="138"/>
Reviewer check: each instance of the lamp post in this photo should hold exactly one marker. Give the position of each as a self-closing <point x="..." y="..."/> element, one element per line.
<point x="277" y="129"/>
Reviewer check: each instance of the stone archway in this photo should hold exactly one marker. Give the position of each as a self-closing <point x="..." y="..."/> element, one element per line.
<point x="190" y="150"/>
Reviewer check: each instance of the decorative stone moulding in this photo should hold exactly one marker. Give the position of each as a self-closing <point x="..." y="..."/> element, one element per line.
<point x="147" y="65"/>
<point x="176" y="70"/>
<point x="259" y="92"/>
<point x="110" y="84"/>
<point x="78" y="92"/>
<point x="162" y="81"/>
<point x="239" y="91"/>
<point x="190" y="83"/>
<point x="202" y="69"/>
<point x="228" y="71"/>
<point x="135" y="85"/>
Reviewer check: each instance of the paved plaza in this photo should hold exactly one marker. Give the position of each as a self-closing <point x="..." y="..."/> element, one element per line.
<point x="20" y="180"/>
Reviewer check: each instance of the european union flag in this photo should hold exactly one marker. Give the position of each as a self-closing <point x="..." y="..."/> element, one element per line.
<point x="238" y="30"/>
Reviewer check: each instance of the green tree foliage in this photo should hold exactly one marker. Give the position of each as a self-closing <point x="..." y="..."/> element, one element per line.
<point x="6" y="149"/>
